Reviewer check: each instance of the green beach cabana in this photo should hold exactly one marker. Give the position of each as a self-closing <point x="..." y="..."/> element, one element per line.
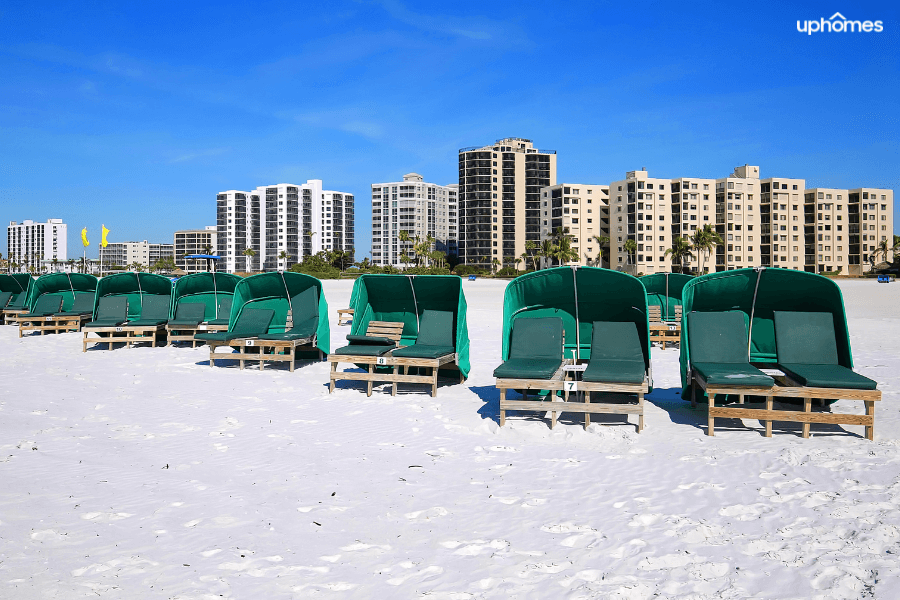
<point x="18" y="285"/>
<point x="149" y="298"/>
<point x="287" y="292"/>
<point x="215" y="291"/>
<point x="68" y="288"/>
<point x="794" y="320"/>
<point x="403" y="300"/>
<point x="585" y="300"/>
<point x="664" y="291"/>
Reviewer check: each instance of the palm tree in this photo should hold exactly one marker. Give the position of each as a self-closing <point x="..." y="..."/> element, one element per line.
<point x="250" y="253"/>
<point x="532" y="252"/>
<point x="603" y="243"/>
<point x="547" y="249"/>
<point x="284" y="256"/>
<point x="630" y="247"/>
<point x="495" y="262"/>
<point x="705" y="241"/>
<point x="680" y="250"/>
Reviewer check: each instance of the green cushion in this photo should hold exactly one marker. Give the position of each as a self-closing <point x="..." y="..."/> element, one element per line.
<point x="717" y="337"/>
<point x="299" y="331"/>
<point x="4" y="298"/>
<point x="616" y="341"/>
<point x="219" y="321"/>
<point x="528" y="368"/>
<point x="615" y="370"/>
<point x="189" y="313"/>
<point x="418" y="350"/>
<point x="436" y="328"/>
<point x="363" y="350"/>
<point x="827" y="376"/>
<point x="112" y="309"/>
<point x="18" y="302"/>
<point x="154" y="307"/>
<point x="251" y="323"/>
<point x="732" y="374"/>
<point x="82" y="305"/>
<point x="223" y="310"/>
<point x="537" y="338"/>
<point x="45" y="306"/>
<point x="805" y="337"/>
<point x="104" y="323"/>
<point x="371" y="340"/>
<point x="147" y="322"/>
<point x="305" y="305"/>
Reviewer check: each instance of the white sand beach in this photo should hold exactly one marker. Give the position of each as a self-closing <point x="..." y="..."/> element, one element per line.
<point x="145" y="473"/>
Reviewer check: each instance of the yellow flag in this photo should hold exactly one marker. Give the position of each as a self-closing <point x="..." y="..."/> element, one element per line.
<point x="103" y="232"/>
<point x="84" y="240"/>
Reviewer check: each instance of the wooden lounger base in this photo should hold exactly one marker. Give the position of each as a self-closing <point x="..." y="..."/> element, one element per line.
<point x="186" y="334"/>
<point x="398" y="363"/>
<point x="665" y="333"/>
<point x="281" y="351"/>
<point x="561" y="382"/>
<point x="345" y="316"/>
<point x="11" y="316"/>
<point x="787" y="388"/>
<point x="54" y="324"/>
<point x="128" y="335"/>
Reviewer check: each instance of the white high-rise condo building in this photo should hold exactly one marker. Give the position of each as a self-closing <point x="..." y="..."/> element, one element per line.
<point x="29" y="243"/>
<point x="416" y="207"/>
<point x="276" y="226"/>
<point x="500" y="199"/>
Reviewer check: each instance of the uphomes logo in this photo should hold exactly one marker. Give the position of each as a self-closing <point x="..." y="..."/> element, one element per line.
<point x="838" y="23"/>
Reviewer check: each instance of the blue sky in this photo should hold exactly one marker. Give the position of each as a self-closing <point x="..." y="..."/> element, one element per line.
<point x="135" y="115"/>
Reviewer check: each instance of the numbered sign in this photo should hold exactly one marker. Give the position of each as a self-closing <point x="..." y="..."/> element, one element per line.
<point x="249" y="342"/>
<point x="119" y="329"/>
<point x="202" y="327"/>
<point x="48" y="318"/>
<point x="381" y="360"/>
<point x="570" y="386"/>
<point x="672" y="327"/>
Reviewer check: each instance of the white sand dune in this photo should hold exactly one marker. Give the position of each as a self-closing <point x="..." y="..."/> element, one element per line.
<point x="144" y="473"/>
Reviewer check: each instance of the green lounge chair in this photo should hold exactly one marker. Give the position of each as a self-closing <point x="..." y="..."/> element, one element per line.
<point x="224" y="308"/>
<point x="188" y="315"/>
<point x="369" y="344"/>
<point x="46" y="306"/>
<point x="154" y="312"/>
<point x="434" y="348"/>
<point x="4" y="299"/>
<point x="112" y="311"/>
<point x="17" y="303"/>
<point x="807" y="352"/>
<point x="82" y="305"/>
<point x="305" y="317"/>
<point x="718" y="350"/>
<point x="535" y="349"/>
<point x="616" y="354"/>
<point x="252" y="323"/>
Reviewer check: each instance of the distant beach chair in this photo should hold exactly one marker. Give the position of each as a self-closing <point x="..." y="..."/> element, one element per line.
<point x="188" y="317"/>
<point x="46" y="306"/>
<point x="152" y="323"/>
<point x="4" y="299"/>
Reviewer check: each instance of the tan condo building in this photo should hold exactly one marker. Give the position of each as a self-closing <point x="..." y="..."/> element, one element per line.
<point x="581" y="210"/>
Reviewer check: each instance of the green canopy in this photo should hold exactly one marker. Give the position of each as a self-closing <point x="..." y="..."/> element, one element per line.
<point x="404" y="298"/>
<point x="757" y="293"/>
<point x="579" y="295"/>
<point x="133" y="286"/>
<point x="274" y="291"/>
<point x="16" y="283"/>
<point x="205" y="288"/>
<point x="67" y="285"/>
<point x="664" y="290"/>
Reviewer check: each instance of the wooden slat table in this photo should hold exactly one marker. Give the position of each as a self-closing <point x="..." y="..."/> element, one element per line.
<point x="345" y="316"/>
<point x="665" y="333"/>
<point x="281" y="351"/>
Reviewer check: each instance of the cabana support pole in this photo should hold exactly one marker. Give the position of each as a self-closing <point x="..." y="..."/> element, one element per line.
<point x="577" y="322"/>
<point x="140" y="291"/>
<point x="415" y="302"/>
<point x="667" y="297"/>
<point x="216" y="294"/>
<point x="759" y="272"/>
<point x="290" y="304"/>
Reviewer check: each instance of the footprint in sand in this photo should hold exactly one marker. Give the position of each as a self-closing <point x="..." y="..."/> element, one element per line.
<point x="745" y="512"/>
<point x="431" y="513"/>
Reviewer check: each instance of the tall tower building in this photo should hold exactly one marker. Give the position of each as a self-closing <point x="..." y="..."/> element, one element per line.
<point x="416" y="207"/>
<point x="500" y="199"/>
<point x="276" y="226"/>
<point x="30" y="243"/>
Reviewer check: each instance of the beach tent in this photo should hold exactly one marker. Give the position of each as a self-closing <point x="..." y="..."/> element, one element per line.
<point x="135" y="287"/>
<point x="66" y="285"/>
<point x="664" y="290"/>
<point x="403" y="298"/>
<point x="17" y="284"/>
<point x="580" y="296"/>
<point x="757" y="293"/>
<point x="275" y="291"/>
<point x="206" y="288"/>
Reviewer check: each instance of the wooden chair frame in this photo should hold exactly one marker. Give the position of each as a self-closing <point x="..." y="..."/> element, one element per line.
<point x="345" y="316"/>
<point x="54" y="324"/>
<point x="785" y="387"/>
<point x="11" y="315"/>
<point x="281" y="350"/>
<point x="182" y="334"/>
<point x="128" y="334"/>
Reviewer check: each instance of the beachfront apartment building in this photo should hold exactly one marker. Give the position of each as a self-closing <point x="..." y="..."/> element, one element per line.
<point x="122" y="255"/>
<point x="500" y="199"/>
<point x="29" y="244"/>
<point x="420" y="209"/>
<point x="771" y="222"/>
<point x="582" y="211"/>
<point x="194" y="241"/>
<point x="276" y="226"/>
